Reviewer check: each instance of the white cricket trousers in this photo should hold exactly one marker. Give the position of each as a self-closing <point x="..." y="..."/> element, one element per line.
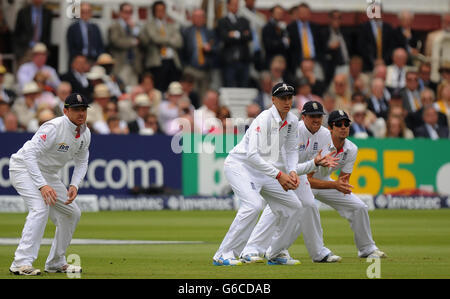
<point x="308" y="224"/>
<point x="253" y="189"/>
<point x="65" y="218"/>
<point x="350" y="207"/>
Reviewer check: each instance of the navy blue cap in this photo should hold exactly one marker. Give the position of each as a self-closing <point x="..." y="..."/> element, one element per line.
<point x="282" y="90"/>
<point x="312" y="107"/>
<point x="76" y="100"/>
<point x="337" y="115"/>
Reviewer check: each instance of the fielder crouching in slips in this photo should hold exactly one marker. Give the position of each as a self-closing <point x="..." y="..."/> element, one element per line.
<point x="313" y="139"/>
<point x="34" y="174"/>
<point x="338" y="194"/>
<point x="253" y="170"/>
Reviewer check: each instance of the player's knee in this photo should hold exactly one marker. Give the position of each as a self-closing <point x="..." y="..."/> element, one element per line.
<point x="76" y="213"/>
<point x="39" y="213"/>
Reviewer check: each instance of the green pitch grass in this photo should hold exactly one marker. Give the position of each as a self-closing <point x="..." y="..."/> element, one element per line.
<point x="417" y="243"/>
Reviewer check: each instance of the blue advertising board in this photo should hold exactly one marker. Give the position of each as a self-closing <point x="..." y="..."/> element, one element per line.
<point x="117" y="163"/>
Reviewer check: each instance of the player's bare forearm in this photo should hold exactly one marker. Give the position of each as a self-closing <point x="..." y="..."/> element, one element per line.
<point x="319" y="184"/>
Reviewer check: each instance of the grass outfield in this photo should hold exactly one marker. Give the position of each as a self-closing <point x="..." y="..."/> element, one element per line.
<point x="417" y="243"/>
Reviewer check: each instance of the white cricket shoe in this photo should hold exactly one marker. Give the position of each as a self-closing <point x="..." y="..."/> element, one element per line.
<point x="283" y="259"/>
<point x="25" y="270"/>
<point x="64" y="269"/>
<point x="227" y="262"/>
<point x="377" y="254"/>
<point x="252" y="258"/>
<point x="330" y="258"/>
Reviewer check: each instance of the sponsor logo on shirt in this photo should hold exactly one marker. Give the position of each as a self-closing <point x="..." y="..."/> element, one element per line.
<point x="62" y="147"/>
<point x="302" y="147"/>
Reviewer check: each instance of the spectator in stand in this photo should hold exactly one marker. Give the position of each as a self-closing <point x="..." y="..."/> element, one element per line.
<point x="124" y="46"/>
<point x="126" y="104"/>
<point x="47" y="96"/>
<point x="377" y="102"/>
<point x="115" y="85"/>
<point x="96" y="111"/>
<point x="170" y="107"/>
<point x="358" y="81"/>
<point x="308" y="71"/>
<point x="43" y="114"/>
<point x="84" y="37"/>
<point x="436" y="46"/>
<point x="396" y="72"/>
<point x="235" y="34"/>
<point x="108" y="124"/>
<point x="77" y="76"/>
<point x="4" y="109"/>
<point x="278" y="71"/>
<point x="63" y="91"/>
<point x="337" y="49"/>
<point x="431" y="128"/>
<point x="405" y="36"/>
<point x="25" y="107"/>
<point x="411" y="93"/>
<point x="33" y="26"/>
<point x="305" y="38"/>
<point x="187" y="82"/>
<point x="206" y="115"/>
<point x="7" y="95"/>
<point x="161" y="40"/>
<point x="142" y="105"/>
<point x="415" y="120"/>
<point x="380" y="71"/>
<point x="155" y="96"/>
<point x="151" y="125"/>
<point x="199" y="51"/>
<point x="340" y="90"/>
<point x="376" y="42"/>
<point x="264" y="97"/>
<point x="329" y="105"/>
<point x="11" y="123"/>
<point x="5" y="34"/>
<point x="303" y="94"/>
<point x="27" y="71"/>
<point x="275" y="36"/>
<point x="359" y="127"/>
<point x="257" y="21"/>
<point x="425" y="77"/>
<point x="184" y="122"/>
<point x="443" y="104"/>
<point x="253" y="110"/>
<point x="444" y="70"/>
<point x="227" y="125"/>
<point x="396" y="128"/>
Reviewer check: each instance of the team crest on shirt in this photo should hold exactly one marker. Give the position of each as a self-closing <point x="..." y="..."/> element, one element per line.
<point x="81" y="145"/>
<point x="62" y="147"/>
<point x="344" y="156"/>
<point x="289" y="128"/>
<point x="315" y="146"/>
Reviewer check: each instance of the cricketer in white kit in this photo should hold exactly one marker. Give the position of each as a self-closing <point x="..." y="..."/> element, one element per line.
<point x="313" y="139"/>
<point x="339" y="195"/>
<point x="253" y="170"/>
<point x="33" y="172"/>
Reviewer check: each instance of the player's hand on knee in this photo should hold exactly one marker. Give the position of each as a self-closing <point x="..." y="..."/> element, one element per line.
<point x="286" y="181"/>
<point x="71" y="194"/>
<point x="343" y="186"/>
<point x="49" y="195"/>
<point x="295" y="178"/>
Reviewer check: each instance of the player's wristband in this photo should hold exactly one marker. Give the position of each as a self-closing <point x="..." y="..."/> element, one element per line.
<point x="278" y="175"/>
